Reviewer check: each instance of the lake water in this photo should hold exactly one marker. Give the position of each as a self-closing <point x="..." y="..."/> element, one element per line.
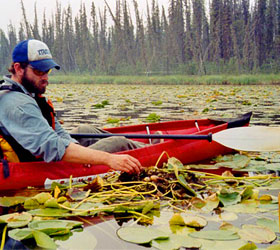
<point x="132" y="104"/>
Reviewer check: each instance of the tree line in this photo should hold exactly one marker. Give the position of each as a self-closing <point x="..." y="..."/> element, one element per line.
<point x="187" y="37"/>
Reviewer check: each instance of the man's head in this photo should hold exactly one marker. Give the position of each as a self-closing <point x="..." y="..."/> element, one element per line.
<point x="36" y="53"/>
<point x="32" y="61"/>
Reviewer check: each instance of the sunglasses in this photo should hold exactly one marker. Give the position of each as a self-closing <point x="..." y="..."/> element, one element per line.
<point x="39" y="72"/>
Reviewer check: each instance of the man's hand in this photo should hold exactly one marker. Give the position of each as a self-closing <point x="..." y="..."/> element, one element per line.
<point x="125" y="163"/>
<point x="79" y="154"/>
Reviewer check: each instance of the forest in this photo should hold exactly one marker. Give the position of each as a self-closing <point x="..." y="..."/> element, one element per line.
<point x="188" y="37"/>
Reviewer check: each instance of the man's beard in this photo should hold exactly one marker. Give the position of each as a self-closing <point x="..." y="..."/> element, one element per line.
<point x="31" y="85"/>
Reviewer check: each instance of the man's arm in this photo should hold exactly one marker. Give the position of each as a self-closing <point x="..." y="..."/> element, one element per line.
<point x="79" y="154"/>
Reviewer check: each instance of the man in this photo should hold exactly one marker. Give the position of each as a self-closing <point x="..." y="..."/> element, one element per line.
<point x="27" y="120"/>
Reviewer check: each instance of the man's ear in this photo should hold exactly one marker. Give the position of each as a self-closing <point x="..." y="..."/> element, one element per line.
<point x="18" y="69"/>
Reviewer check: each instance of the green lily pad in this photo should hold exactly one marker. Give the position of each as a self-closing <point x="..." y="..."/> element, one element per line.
<point x="222" y="245"/>
<point x="249" y="246"/>
<point x="11" y="201"/>
<point x="31" y="203"/>
<point x="43" y="240"/>
<point x="228" y="199"/>
<point x="257" y="234"/>
<point x="15" y="220"/>
<point x="237" y="161"/>
<point x="42" y="197"/>
<point x="21" y="234"/>
<point x="50" y="212"/>
<point x="247" y="193"/>
<point x="46" y="224"/>
<point x="177" y="219"/>
<point x="195" y="221"/>
<point x="211" y="202"/>
<point x="174" y="163"/>
<point x="215" y="235"/>
<point x="77" y="194"/>
<point x="52" y="203"/>
<point x="79" y="240"/>
<point x="175" y="242"/>
<point x="140" y="235"/>
<point x="271" y="224"/>
<point x="245" y="208"/>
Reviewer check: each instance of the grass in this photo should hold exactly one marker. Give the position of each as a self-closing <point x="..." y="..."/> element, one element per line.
<point x="168" y="79"/>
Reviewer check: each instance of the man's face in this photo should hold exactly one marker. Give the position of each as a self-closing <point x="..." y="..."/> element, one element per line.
<point x="33" y="82"/>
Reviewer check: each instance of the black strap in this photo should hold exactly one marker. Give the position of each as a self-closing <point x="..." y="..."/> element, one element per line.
<point x="6" y="168"/>
<point x="46" y="109"/>
<point x="5" y="165"/>
<point x="23" y="154"/>
<point x="10" y="87"/>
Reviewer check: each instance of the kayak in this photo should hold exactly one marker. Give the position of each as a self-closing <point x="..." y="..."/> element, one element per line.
<point x="38" y="174"/>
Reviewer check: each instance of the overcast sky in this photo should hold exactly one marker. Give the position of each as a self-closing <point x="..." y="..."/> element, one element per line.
<point x="11" y="9"/>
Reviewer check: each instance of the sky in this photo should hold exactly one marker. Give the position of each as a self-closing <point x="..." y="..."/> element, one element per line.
<point x="11" y="9"/>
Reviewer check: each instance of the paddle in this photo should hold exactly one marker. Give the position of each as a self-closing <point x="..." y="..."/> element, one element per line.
<point x="258" y="138"/>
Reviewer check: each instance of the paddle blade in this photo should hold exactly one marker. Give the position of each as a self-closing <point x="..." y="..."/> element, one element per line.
<point x="258" y="138"/>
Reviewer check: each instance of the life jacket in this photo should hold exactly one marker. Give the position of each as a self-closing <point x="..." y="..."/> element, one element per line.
<point x="10" y="149"/>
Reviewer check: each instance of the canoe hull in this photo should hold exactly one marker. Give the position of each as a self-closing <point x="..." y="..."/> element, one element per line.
<point x="36" y="174"/>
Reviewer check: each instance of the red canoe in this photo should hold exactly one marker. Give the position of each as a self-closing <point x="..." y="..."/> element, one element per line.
<point x="38" y="174"/>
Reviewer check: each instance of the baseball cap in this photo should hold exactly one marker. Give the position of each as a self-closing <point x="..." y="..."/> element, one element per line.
<point x="36" y="53"/>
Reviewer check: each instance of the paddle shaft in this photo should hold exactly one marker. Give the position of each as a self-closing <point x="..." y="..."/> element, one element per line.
<point x="257" y="138"/>
<point x="147" y="136"/>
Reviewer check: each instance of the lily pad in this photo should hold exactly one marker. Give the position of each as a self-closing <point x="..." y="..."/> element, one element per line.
<point x="140" y="235"/>
<point x="21" y="234"/>
<point x="52" y="203"/>
<point x="11" y="201"/>
<point x="247" y="193"/>
<point x="50" y="212"/>
<point x="229" y="198"/>
<point x="257" y="234"/>
<point x="79" y="240"/>
<point x="177" y="219"/>
<point x="31" y="203"/>
<point x="195" y="221"/>
<point x="211" y="202"/>
<point x="15" y="220"/>
<point x="43" y="240"/>
<point x="236" y="162"/>
<point x="42" y="197"/>
<point x="175" y="242"/>
<point x="215" y="235"/>
<point x="245" y="208"/>
<point x="271" y="224"/>
<point x="77" y="194"/>
<point x="47" y="224"/>
<point x="249" y="246"/>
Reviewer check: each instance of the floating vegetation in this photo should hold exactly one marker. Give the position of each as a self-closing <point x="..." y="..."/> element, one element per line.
<point x="168" y="207"/>
<point x="153" y="117"/>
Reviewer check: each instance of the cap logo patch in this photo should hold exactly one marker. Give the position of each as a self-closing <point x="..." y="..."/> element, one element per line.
<point x="42" y="52"/>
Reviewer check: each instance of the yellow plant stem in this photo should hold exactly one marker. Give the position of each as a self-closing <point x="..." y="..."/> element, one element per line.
<point x="162" y="154"/>
<point x="214" y="176"/>
<point x="3" y="237"/>
<point x="135" y="182"/>
<point x="279" y="210"/>
<point x="101" y="208"/>
<point x="139" y="214"/>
